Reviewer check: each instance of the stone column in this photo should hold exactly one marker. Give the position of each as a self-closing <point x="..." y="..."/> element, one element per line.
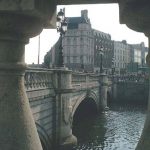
<point x="136" y="15"/>
<point x="19" y="20"/>
<point x="114" y="90"/>
<point x="63" y="84"/>
<point x="144" y="142"/>
<point x="103" y="92"/>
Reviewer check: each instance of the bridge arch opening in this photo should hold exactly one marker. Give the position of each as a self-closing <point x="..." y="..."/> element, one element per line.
<point x="44" y="138"/>
<point x="86" y="110"/>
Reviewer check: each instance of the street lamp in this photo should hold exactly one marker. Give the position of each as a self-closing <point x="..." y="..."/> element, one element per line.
<point x="113" y="65"/>
<point x="82" y="64"/>
<point x="101" y="53"/>
<point x="62" y="28"/>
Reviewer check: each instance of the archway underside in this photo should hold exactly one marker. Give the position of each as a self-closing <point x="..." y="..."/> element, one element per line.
<point x="87" y="108"/>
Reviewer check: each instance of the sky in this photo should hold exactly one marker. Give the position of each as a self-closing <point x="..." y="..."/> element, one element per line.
<point x="104" y="17"/>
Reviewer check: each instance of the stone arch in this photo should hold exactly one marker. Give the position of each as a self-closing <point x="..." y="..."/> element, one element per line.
<point x="86" y="104"/>
<point x="44" y="138"/>
<point x="94" y="96"/>
<point x="90" y="95"/>
<point x="85" y="108"/>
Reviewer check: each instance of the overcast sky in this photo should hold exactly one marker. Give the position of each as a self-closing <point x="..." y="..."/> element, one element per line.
<point x="104" y="17"/>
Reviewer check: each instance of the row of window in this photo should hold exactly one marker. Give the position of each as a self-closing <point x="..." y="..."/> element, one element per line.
<point x="79" y="59"/>
<point x="78" y="32"/>
<point x="102" y="36"/>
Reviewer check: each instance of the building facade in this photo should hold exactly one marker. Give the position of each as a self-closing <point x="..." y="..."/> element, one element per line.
<point x="138" y="57"/>
<point x="139" y="53"/>
<point x="78" y="43"/>
<point x="54" y="54"/>
<point x="83" y="46"/>
<point x="102" y="45"/>
<point x="122" y="56"/>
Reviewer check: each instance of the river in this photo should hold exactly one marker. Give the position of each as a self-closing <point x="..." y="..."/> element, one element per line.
<point x="117" y="129"/>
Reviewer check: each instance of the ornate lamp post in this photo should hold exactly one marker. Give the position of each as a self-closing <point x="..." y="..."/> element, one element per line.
<point x="82" y="64"/>
<point x="62" y="28"/>
<point x="101" y="53"/>
<point x="113" y="65"/>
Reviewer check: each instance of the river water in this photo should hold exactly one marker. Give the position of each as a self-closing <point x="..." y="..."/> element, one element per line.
<point x="118" y="129"/>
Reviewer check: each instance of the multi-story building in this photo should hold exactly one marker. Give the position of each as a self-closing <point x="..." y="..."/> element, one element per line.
<point x="138" y="57"/>
<point x="121" y="55"/>
<point x="139" y="52"/>
<point x="82" y="46"/>
<point x="54" y="54"/>
<point x="78" y="43"/>
<point x="102" y="42"/>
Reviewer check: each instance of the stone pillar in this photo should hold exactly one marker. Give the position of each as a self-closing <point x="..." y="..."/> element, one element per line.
<point x="114" y="90"/>
<point x="144" y="142"/>
<point x="19" y="20"/>
<point x="136" y="15"/>
<point x="103" y="92"/>
<point x="63" y="85"/>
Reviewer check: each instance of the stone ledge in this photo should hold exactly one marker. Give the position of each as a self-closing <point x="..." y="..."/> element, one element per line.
<point x="45" y="10"/>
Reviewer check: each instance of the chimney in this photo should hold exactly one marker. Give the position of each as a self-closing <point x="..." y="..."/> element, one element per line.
<point x="84" y="13"/>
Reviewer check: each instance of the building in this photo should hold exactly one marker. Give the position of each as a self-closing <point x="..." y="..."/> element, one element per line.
<point x="102" y="42"/>
<point x="122" y="56"/>
<point x="138" y="57"/>
<point x="139" y="52"/>
<point x="83" y="46"/>
<point x="78" y="43"/>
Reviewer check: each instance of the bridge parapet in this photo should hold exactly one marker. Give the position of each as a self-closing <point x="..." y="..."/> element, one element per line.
<point x="84" y="77"/>
<point x="82" y="81"/>
<point x="38" y="79"/>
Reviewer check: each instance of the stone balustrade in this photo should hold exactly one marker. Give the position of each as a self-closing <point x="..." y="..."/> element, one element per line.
<point x="38" y="79"/>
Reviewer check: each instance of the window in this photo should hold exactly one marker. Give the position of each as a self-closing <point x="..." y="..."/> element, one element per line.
<point x="146" y="53"/>
<point x="68" y="59"/>
<point x="137" y="56"/>
<point x="74" y="59"/>
<point x="96" y="46"/>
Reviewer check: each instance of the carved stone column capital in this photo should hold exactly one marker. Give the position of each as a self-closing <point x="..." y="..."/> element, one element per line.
<point x="135" y="14"/>
<point x="26" y="18"/>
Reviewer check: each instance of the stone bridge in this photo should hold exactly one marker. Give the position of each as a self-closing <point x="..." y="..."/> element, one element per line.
<point x="54" y="97"/>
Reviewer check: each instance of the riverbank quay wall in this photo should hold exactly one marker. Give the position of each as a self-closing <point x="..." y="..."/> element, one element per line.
<point x="130" y="92"/>
<point x="54" y="96"/>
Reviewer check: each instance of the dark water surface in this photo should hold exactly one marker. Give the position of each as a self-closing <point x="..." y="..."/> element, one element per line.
<point x="118" y="129"/>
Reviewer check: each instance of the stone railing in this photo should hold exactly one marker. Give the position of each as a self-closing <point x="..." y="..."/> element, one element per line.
<point x="81" y="81"/>
<point x="129" y="78"/>
<point x="82" y="77"/>
<point x="38" y="79"/>
<point x="42" y="78"/>
<point x="93" y="77"/>
<point x="78" y="78"/>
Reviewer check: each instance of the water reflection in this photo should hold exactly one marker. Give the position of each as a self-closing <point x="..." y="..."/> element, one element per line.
<point x="118" y="129"/>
